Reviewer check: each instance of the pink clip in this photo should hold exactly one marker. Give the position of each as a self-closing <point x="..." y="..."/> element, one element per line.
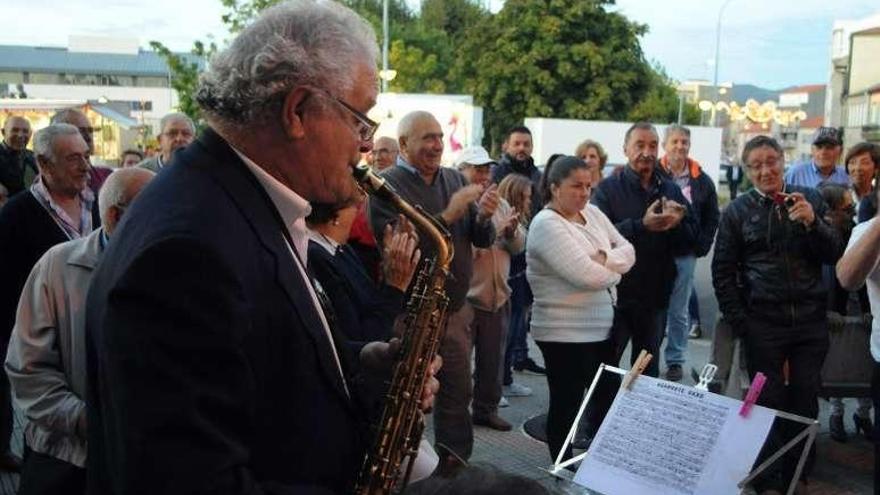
<point x="752" y="395"/>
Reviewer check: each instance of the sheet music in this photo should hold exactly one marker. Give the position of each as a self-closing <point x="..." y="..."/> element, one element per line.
<point x="664" y="438"/>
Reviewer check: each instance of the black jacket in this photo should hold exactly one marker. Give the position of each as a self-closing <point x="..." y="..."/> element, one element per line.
<point x="27" y="231"/>
<point x="624" y="201"/>
<point x="17" y="169"/>
<point x="767" y="267"/>
<point x="209" y="370"/>
<point x="508" y="165"/>
<point x="364" y="311"/>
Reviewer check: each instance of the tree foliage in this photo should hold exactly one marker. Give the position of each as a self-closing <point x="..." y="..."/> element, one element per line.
<point x="534" y="58"/>
<point x="661" y="103"/>
<point x="555" y="58"/>
<point x="185" y="74"/>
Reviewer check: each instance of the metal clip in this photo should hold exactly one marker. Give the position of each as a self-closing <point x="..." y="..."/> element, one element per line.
<point x="706" y="376"/>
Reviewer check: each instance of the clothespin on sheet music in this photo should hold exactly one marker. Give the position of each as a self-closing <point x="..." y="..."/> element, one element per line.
<point x="637" y="369"/>
<point x="706" y="376"/>
<point x="753" y="394"/>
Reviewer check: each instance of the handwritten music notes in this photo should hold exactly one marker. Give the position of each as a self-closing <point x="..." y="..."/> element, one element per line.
<point x="664" y="438"/>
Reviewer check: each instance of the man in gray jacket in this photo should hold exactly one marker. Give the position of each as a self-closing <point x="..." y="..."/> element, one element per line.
<point x="46" y="357"/>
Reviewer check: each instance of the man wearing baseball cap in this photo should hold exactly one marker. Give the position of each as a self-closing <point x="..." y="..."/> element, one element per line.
<point x="827" y="146"/>
<point x="489" y="293"/>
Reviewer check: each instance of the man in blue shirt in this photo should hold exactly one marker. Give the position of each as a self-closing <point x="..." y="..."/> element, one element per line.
<point x="827" y="147"/>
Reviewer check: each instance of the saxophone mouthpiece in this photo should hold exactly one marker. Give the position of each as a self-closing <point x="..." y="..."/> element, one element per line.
<point x="372" y="183"/>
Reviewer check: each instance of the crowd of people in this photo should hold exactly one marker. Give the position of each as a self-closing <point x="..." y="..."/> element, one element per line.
<point x="222" y="317"/>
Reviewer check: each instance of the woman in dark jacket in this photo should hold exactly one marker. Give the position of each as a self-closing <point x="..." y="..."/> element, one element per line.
<point x="363" y="310"/>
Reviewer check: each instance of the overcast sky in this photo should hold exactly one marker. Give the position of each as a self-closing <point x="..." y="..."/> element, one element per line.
<point x="769" y="43"/>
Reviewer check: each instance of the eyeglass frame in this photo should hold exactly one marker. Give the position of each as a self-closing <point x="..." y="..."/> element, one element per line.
<point x="759" y="166"/>
<point x="370" y="125"/>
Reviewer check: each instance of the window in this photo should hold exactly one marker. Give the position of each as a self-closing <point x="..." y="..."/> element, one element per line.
<point x="152" y="82"/>
<point x="857" y="115"/>
<point x="11" y="77"/>
<point x="137" y="106"/>
<point x="44" y="78"/>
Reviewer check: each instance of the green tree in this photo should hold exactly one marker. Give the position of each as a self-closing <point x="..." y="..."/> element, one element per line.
<point x="427" y="45"/>
<point x="554" y="58"/>
<point x="661" y="103"/>
<point x="536" y="58"/>
<point x="239" y="14"/>
<point x="184" y="73"/>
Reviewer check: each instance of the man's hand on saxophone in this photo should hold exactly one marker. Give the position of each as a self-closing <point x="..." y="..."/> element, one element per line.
<point x="377" y="357"/>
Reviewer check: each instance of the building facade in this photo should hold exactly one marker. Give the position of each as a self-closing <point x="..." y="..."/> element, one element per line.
<point x="853" y="101"/>
<point x="107" y="73"/>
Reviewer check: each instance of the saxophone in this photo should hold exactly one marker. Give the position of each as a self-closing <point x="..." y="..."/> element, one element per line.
<point x="400" y="429"/>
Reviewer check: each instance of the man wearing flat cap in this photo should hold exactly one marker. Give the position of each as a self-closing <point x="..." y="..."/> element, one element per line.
<point x="823" y="167"/>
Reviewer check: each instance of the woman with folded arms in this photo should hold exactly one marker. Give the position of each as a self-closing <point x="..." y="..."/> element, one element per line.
<point x="575" y="259"/>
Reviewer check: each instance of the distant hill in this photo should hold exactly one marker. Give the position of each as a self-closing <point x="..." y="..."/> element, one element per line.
<point x="742" y="92"/>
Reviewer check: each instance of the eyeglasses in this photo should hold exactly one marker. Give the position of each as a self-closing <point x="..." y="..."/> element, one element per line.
<point x="367" y="127"/>
<point x="174" y="133"/>
<point x="756" y="166"/>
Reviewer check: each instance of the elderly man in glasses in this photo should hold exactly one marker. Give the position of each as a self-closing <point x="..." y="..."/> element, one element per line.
<point x="78" y="119"/>
<point x="213" y="365"/>
<point x="177" y="131"/>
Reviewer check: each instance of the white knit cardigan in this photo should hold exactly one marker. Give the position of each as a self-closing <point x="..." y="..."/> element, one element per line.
<point x="574" y="295"/>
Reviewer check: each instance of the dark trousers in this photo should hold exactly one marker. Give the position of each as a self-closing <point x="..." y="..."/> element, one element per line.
<point x="645" y="328"/>
<point x="490" y="338"/>
<point x="694" y="307"/>
<point x="734" y="188"/>
<point x="517" y="339"/>
<point x="5" y="414"/>
<point x="875" y="396"/>
<point x="453" y="429"/>
<point x="804" y="347"/>
<point x="42" y="474"/>
<point x="571" y="368"/>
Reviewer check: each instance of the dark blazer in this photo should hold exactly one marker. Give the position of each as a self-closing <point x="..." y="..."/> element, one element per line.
<point x="209" y="370"/>
<point x="27" y="231"/>
<point x="365" y="312"/>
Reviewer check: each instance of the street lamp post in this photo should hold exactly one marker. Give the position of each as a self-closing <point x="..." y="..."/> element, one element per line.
<point x="385" y="36"/>
<point x="717" y="45"/>
<point x="680" y="107"/>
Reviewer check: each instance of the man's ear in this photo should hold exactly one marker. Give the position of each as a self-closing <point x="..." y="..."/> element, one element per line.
<point x="293" y="111"/>
<point x="114" y="214"/>
<point x="42" y="163"/>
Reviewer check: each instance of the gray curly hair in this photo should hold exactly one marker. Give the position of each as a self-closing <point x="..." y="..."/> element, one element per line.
<point x="44" y="139"/>
<point x="299" y="42"/>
